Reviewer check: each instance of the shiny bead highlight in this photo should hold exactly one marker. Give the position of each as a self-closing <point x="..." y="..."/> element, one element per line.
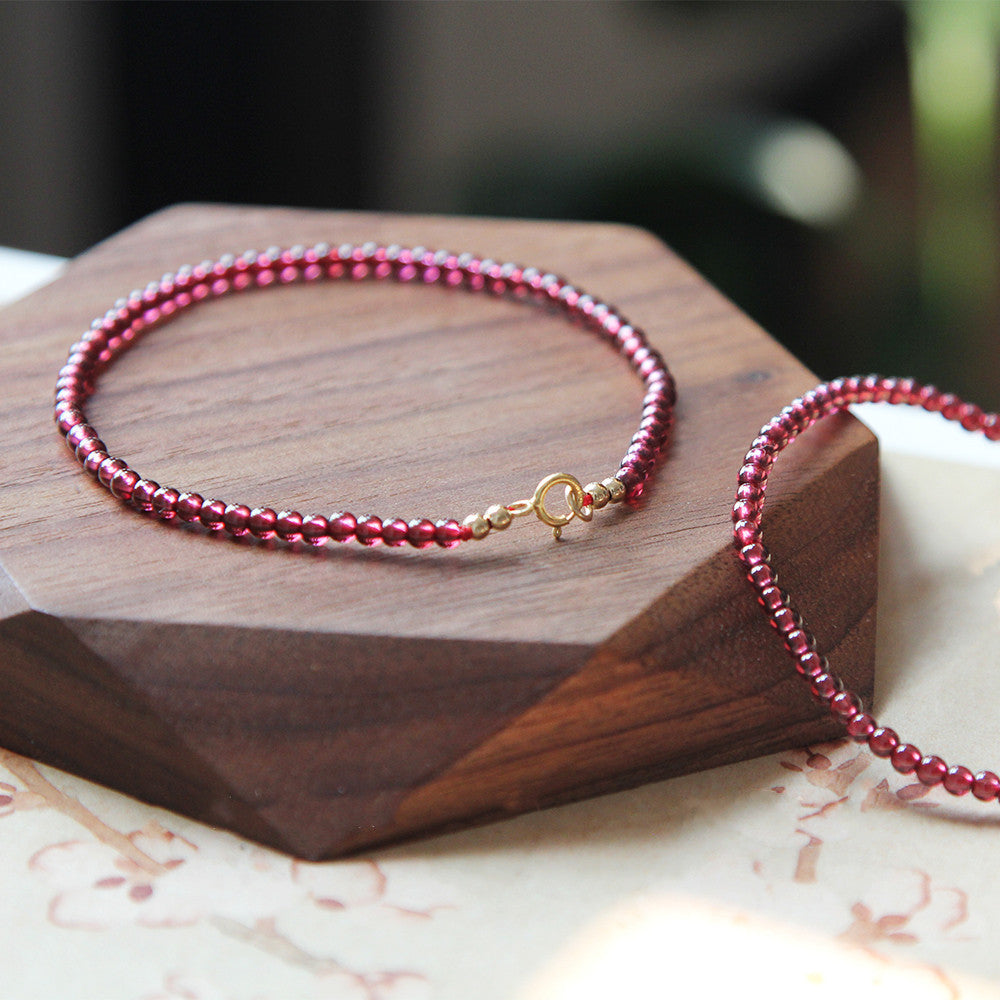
<point x="478" y="525"/>
<point x="498" y="516"/>
<point x="144" y="309"/>
<point x="826" y="686"/>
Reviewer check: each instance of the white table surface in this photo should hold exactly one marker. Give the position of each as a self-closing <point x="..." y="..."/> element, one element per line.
<point x="812" y="873"/>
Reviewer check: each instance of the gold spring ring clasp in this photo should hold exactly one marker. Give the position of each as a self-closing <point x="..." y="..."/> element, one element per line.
<point x="574" y="494"/>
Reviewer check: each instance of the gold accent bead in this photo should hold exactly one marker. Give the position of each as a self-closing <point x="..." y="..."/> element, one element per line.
<point x="479" y="525"/>
<point x="498" y="516"/>
<point x="599" y="495"/>
<point x="616" y="488"/>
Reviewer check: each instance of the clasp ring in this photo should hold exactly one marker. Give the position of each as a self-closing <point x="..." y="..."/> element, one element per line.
<point x="575" y="497"/>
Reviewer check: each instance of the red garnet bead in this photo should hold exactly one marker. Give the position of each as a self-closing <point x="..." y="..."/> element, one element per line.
<point x="751" y="473"/>
<point x="394" y="532"/>
<point x="753" y="492"/>
<point x="67" y="418"/>
<point x="142" y="494"/>
<point x="107" y="470"/>
<point x="369" y="530"/>
<point x="825" y="686"/>
<point x="94" y="460"/>
<point x="785" y="620"/>
<point x="420" y="533"/>
<point x="236" y="519"/>
<point x="189" y="507"/>
<point x="762" y="576"/>
<point x="986" y="786"/>
<point x="211" y="514"/>
<point x="845" y="705"/>
<point x="905" y="758"/>
<point x="165" y="502"/>
<point x="883" y="742"/>
<point x="78" y="433"/>
<point x="88" y="445"/>
<point x="343" y="527"/>
<point x="959" y="780"/>
<point x="754" y="554"/>
<point x="123" y="483"/>
<point x="747" y="513"/>
<point x="447" y="533"/>
<point x="289" y="525"/>
<point x="811" y="664"/>
<point x="263" y="522"/>
<point x="771" y="598"/>
<point x="315" y="529"/>
<point x="931" y="770"/>
<point x="746" y="510"/>
<point x="798" y="642"/>
<point x="860" y="727"/>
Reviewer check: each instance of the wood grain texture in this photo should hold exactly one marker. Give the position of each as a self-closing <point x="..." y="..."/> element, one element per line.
<point x="323" y="701"/>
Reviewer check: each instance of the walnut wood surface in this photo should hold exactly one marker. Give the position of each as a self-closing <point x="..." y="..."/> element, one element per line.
<point x="323" y="701"/>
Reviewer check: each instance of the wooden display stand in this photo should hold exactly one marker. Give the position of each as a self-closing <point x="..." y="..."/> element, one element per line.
<point x="325" y="701"/>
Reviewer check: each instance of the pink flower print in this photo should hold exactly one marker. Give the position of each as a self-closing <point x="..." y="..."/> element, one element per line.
<point x="883" y="797"/>
<point x="907" y="912"/>
<point x="833" y="767"/>
<point x="156" y="878"/>
<point x="341" y="885"/>
<point x="14" y="799"/>
<point x="410" y="891"/>
<point x="868" y="929"/>
<point x="98" y="887"/>
<point x="811" y="805"/>
<point x="809" y="802"/>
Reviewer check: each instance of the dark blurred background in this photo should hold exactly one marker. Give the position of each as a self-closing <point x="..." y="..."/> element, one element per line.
<point x="831" y="166"/>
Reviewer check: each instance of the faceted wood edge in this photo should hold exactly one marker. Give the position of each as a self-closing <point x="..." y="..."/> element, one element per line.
<point x="571" y="745"/>
<point x="311" y="783"/>
<point x="215" y="740"/>
<point x="262" y="733"/>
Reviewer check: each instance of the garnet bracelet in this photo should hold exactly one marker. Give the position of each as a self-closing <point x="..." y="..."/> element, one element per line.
<point x="130" y="318"/>
<point x="123" y="325"/>
<point x="826" y="686"/>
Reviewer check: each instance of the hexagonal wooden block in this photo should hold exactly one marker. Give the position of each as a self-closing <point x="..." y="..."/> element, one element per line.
<point x="325" y="700"/>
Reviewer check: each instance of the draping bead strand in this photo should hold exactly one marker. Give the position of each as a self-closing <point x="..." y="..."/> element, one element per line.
<point x="132" y="317"/>
<point x="812" y="666"/>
